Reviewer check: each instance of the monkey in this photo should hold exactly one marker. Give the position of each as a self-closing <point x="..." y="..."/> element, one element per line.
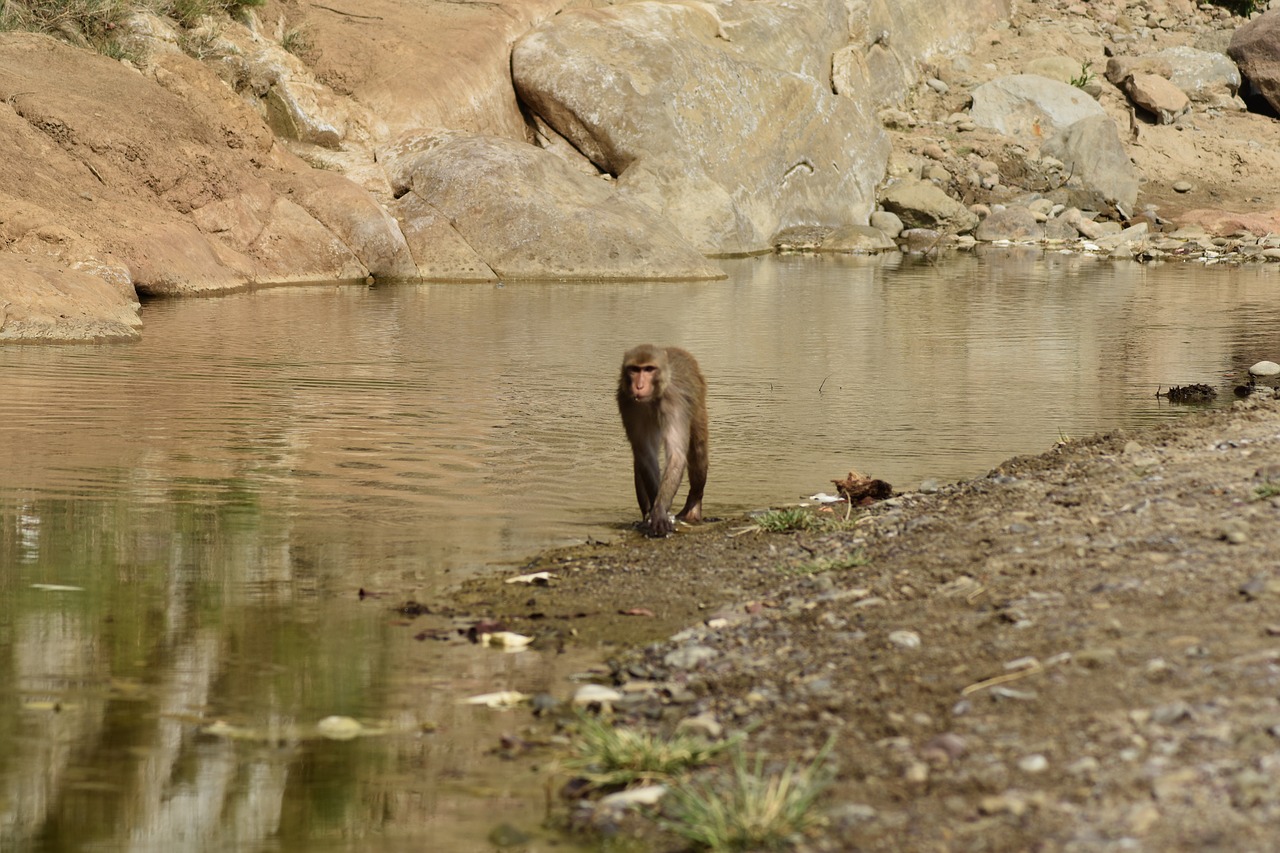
<point x="662" y="398"/>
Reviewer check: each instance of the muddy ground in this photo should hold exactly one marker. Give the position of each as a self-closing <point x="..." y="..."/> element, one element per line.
<point x="1098" y="656"/>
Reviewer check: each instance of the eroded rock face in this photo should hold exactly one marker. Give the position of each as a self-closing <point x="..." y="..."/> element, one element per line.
<point x="46" y="301"/>
<point x="183" y="191"/>
<point x="889" y="39"/>
<point x="1256" y="49"/>
<point x="730" y="150"/>
<point x="528" y="214"/>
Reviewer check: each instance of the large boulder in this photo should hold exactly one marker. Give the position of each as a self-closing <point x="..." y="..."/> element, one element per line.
<point x="923" y="204"/>
<point x="529" y="215"/>
<point x="729" y="149"/>
<point x="1030" y="107"/>
<point x="1205" y="76"/>
<point x="1157" y="96"/>
<point x="1256" y="49"/>
<point x="1096" y="160"/>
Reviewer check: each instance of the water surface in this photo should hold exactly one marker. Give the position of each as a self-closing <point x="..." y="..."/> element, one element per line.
<point x="187" y="520"/>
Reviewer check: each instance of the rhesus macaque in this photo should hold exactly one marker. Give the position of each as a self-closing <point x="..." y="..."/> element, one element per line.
<point x="662" y="398"/>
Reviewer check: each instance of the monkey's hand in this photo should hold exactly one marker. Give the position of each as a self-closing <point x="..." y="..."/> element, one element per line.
<point x="660" y="525"/>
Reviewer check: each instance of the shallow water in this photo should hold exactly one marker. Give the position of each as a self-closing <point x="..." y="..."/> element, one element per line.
<point x="214" y="496"/>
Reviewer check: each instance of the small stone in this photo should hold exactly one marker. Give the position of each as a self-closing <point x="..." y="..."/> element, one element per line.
<point x="944" y="748"/>
<point x="890" y="224"/>
<point x="905" y="639"/>
<point x="1261" y="586"/>
<point x="1010" y="804"/>
<point x="1086" y="766"/>
<point x="1182" y="186"/>
<point x="1173" y="712"/>
<point x="1142" y="818"/>
<point x="690" y="656"/>
<point x="1036" y="763"/>
<point x="917" y="773"/>
<point x="704" y="725"/>
<point x="937" y="85"/>
<point x="592" y="695"/>
<point x="1096" y="658"/>
<point x="1235" y="531"/>
<point x="1265" y="368"/>
<point x="847" y="815"/>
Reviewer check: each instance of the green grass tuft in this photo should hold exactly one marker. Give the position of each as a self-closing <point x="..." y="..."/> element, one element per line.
<point x="608" y="756"/>
<point x="751" y="809"/>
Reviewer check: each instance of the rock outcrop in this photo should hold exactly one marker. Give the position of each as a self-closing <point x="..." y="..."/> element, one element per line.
<point x="729" y="149"/>
<point x="529" y="215"/>
<point x="545" y="140"/>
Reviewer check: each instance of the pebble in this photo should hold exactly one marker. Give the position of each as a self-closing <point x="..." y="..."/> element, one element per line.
<point x="596" y="694"/>
<point x="687" y="657"/>
<point x="905" y="639"/>
<point x="704" y="724"/>
<point x="937" y="85"/>
<point x="1265" y="368"/>
<point x="1235" y="531"/>
<point x="1182" y="186"/>
<point x="1035" y="763"/>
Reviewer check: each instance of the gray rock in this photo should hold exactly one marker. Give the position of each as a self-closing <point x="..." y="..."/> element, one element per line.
<point x="729" y="149"/>
<point x="1256" y="49"/>
<point x="887" y="222"/>
<point x="530" y="215"/>
<point x="922" y="204"/>
<point x="1094" y="156"/>
<point x="857" y="238"/>
<point x="1265" y="368"/>
<point x="915" y="241"/>
<point x="1064" y="69"/>
<point x="1205" y="76"/>
<point x="1030" y="106"/>
<point x="688" y="657"/>
<point x="1013" y="223"/>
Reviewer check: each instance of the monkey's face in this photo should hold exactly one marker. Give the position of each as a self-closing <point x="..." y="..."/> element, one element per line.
<point x="643" y="380"/>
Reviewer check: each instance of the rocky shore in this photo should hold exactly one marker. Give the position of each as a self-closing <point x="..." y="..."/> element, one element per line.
<point x="537" y="139"/>
<point x="1075" y="652"/>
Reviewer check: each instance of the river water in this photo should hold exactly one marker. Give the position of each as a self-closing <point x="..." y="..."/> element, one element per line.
<point x="188" y="520"/>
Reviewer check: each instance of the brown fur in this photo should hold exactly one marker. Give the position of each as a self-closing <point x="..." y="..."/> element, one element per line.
<point x="662" y="398"/>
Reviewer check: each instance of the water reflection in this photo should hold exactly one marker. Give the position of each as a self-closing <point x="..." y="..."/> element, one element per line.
<point x="184" y="522"/>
